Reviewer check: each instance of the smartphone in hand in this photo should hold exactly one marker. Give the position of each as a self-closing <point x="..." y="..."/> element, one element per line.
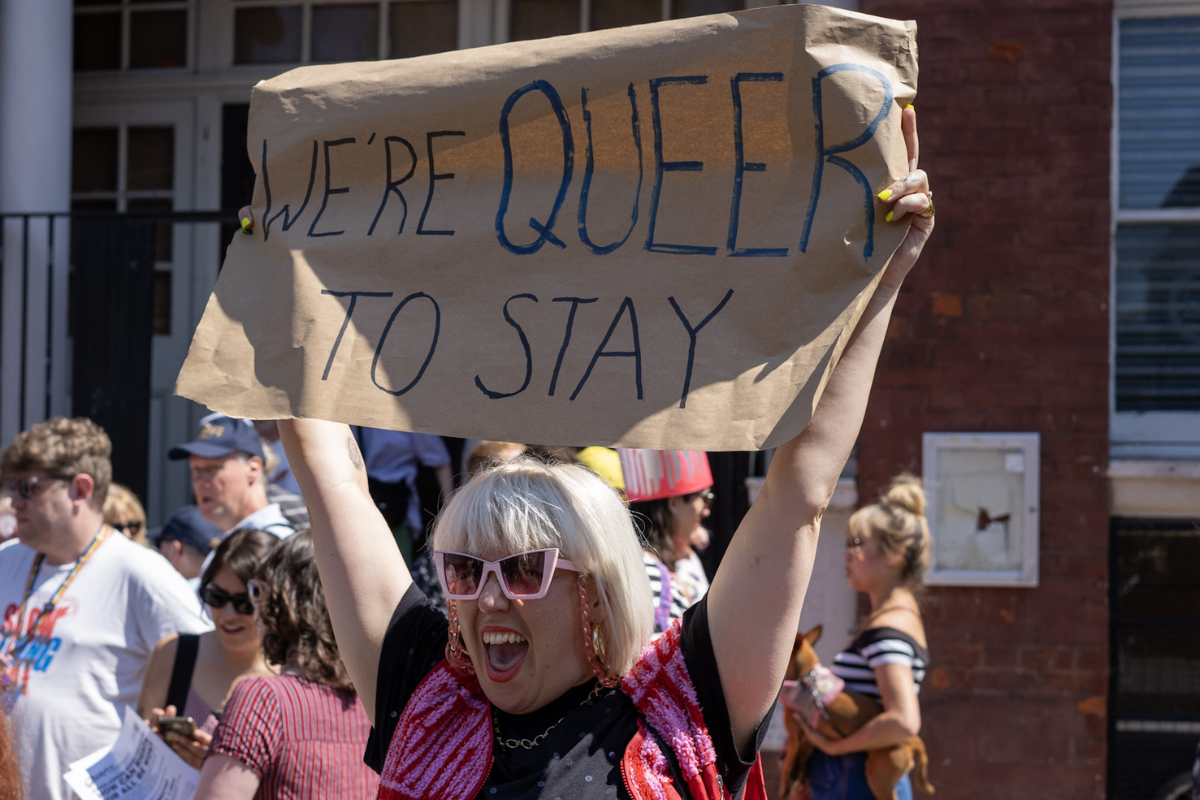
<point x="183" y="727"/>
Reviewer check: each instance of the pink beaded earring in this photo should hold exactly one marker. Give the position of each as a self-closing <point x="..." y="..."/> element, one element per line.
<point x="456" y="655"/>
<point x="593" y="641"/>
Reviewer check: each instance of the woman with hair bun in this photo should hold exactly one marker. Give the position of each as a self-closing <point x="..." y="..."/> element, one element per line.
<point x="887" y="551"/>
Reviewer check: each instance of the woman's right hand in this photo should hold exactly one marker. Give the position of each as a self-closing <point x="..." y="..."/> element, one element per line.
<point x="191" y="749"/>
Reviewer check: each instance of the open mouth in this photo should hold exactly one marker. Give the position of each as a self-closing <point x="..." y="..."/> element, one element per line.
<point x="504" y="653"/>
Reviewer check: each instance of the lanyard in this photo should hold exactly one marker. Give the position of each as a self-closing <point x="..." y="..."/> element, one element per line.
<point x="9" y="659"/>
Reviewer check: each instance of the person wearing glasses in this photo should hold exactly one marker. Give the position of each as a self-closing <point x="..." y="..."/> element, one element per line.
<point x="545" y="680"/>
<point x="83" y="606"/>
<point x="301" y="733"/>
<point x="887" y="551"/>
<point x="670" y="494"/>
<point x="192" y="676"/>
<point x="124" y="511"/>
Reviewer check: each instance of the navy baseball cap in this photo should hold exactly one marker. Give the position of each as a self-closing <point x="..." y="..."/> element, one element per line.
<point x="187" y="526"/>
<point x="220" y="436"/>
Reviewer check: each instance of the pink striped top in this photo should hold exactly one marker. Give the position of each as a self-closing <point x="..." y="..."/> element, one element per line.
<point x="195" y="708"/>
<point x="302" y="739"/>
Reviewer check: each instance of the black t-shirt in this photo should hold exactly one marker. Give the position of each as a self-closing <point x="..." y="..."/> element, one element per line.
<point x="581" y="756"/>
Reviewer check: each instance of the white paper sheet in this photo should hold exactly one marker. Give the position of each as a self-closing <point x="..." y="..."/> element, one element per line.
<point x="137" y="765"/>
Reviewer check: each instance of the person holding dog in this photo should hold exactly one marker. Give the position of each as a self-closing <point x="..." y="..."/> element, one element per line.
<point x="546" y="681"/>
<point x="887" y="551"/>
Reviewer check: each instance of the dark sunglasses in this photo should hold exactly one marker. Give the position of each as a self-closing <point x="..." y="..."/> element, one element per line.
<point x="217" y="597"/>
<point x="706" y="495"/>
<point x="26" y="487"/>
<point x="523" y="576"/>
<point x="133" y="527"/>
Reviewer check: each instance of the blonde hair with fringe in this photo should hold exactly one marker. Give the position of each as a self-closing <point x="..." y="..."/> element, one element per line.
<point x="528" y="504"/>
<point x="122" y="505"/>
<point x="898" y="523"/>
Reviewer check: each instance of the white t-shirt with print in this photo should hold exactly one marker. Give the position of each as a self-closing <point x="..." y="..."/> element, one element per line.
<point x="105" y="627"/>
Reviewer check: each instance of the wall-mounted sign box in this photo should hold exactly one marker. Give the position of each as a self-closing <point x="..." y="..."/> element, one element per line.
<point x="982" y="491"/>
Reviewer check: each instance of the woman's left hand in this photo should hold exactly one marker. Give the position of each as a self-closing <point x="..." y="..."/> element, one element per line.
<point x="911" y="197"/>
<point x="830" y="747"/>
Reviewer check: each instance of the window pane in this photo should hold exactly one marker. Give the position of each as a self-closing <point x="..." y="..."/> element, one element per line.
<point x="266" y="35"/>
<point x="423" y="27"/>
<point x="537" y="19"/>
<point x="157" y="39"/>
<point x="94" y="160"/>
<point x="1159" y="95"/>
<point x="97" y="41"/>
<point x="161" y="316"/>
<point x="345" y="33"/>
<point x="151" y="158"/>
<point x="1158" y="318"/>
<point x="94" y="205"/>
<point x="698" y="8"/>
<point x="162" y="230"/>
<point x="618" y="13"/>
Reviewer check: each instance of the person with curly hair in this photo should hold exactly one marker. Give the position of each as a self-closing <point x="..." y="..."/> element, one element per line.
<point x="83" y="606"/>
<point x="299" y="734"/>
<point x="193" y="675"/>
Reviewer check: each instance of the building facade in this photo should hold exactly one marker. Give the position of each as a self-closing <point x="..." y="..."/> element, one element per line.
<point x="1060" y="296"/>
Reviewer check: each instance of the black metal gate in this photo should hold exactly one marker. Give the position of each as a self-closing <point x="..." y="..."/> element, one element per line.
<point x="110" y="317"/>
<point x="1154" y="699"/>
<point x="111" y="325"/>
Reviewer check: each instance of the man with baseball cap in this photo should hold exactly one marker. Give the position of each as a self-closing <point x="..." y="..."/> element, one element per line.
<point x="226" y="459"/>
<point x="185" y="541"/>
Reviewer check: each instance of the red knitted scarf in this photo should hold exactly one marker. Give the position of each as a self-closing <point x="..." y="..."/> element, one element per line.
<point x="442" y="747"/>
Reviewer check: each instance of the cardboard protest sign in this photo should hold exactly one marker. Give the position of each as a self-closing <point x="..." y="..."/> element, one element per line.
<point x="657" y="236"/>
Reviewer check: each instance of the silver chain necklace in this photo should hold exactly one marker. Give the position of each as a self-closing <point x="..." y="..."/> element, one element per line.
<point x="528" y="744"/>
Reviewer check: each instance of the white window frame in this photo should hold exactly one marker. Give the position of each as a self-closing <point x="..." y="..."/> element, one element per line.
<point x="1142" y="434"/>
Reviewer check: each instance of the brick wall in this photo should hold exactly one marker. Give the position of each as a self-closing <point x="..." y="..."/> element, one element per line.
<point x="1004" y="327"/>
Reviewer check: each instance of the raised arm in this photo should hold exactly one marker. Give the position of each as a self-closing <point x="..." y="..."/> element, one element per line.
<point x="755" y="600"/>
<point x="362" y="572"/>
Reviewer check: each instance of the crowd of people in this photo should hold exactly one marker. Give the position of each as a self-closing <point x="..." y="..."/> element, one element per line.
<point x="230" y="628"/>
<point x="301" y="632"/>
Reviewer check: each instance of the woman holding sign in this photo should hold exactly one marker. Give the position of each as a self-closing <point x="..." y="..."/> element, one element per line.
<point x="546" y="682"/>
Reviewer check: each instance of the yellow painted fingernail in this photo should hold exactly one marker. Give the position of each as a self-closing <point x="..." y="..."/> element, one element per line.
<point x="246" y="224"/>
<point x="911" y="107"/>
<point x="889" y="216"/>
<point x="885" y="194"/>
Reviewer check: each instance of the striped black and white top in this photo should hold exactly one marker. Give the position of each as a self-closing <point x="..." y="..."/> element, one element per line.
<point x="670" y="607"/>
<point x="874" y="648"/>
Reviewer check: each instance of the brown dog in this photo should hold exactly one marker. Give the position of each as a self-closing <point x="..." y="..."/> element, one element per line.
<point x="843" y="715"/>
